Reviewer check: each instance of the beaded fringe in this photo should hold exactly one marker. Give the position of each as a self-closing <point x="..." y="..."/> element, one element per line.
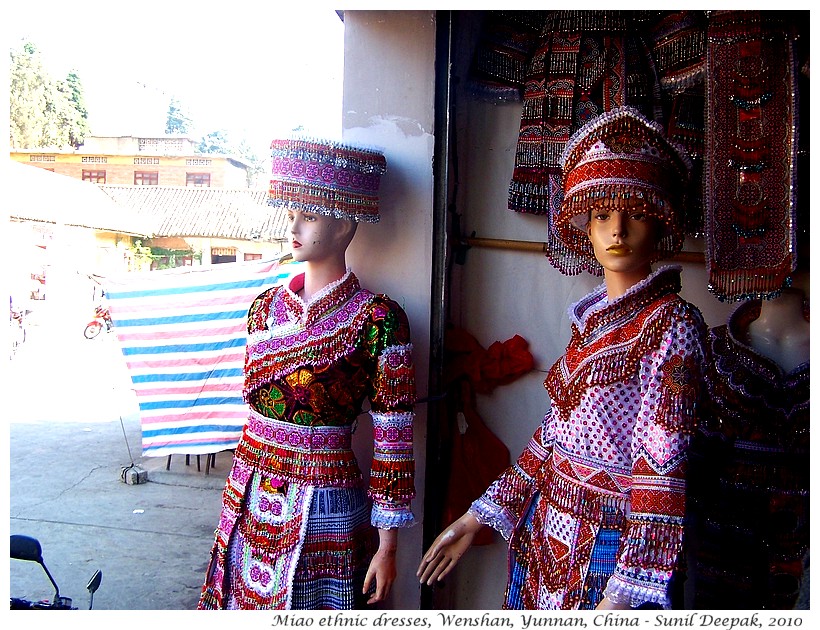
<point x="336" y="467"/>
<point x="392" y="480"/>
<point x="679" y="49"/>
<point x="396" y="379"/>
<point x="316" y="200"/>
<point x="752" y="131"/>
<point x="666" y="544"/>
<point x="614" y="366"/>
<point x="267" y="361"/>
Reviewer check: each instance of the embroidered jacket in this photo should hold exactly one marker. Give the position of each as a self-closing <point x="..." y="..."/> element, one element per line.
<point x="309" y="368"/>
<point x="611" y="452"/>
<point x="315" y="365"/>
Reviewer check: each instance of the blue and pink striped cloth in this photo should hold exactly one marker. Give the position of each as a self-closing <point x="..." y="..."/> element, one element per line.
<point x="183" y="333"/>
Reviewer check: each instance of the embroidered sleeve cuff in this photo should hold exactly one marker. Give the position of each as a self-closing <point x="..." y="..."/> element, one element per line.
<point x="621" y="591"/>
<point x="391" y="518"/>
<point x="488" y="513"/>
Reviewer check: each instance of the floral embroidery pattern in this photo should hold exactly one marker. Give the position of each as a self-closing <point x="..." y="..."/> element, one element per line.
<point x="678" y="375"/>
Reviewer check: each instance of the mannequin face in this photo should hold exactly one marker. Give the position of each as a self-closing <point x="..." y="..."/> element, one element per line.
<point x="316" y="237"/>
<point x="623" y="241"/>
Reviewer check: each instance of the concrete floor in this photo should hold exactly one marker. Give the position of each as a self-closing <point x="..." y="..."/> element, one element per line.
<point x="73" y="427"/>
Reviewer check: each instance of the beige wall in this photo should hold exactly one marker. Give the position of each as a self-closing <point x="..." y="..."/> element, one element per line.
<point x="388" y="103"/>
<point x="119" y="168"/>
<point x="113" y="254"/>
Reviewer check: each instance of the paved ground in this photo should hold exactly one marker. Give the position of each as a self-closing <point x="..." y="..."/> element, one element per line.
<point x="72" y="422"/>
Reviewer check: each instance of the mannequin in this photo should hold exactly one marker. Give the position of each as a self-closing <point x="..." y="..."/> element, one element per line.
<point x="299" y="529"/>
<point x="750" y="470"/>
<point x="781" y="331"/>
<point x="593" y="508"/>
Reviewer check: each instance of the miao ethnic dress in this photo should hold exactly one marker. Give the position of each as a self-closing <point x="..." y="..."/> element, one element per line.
<point x="297" y="523"/>
<point x="751" y="470"/>
<point x="595" y="503"/>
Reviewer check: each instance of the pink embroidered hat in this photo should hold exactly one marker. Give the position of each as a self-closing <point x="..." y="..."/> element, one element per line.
<point x="326" y="178"/>
<point x="621" y="160"/>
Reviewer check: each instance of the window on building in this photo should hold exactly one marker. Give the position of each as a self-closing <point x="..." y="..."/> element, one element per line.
<point x="223" y="255"/>
<point x="159" y="262"/>
<point x="198" y="180"/>
<point x="253" y="256"/>
<point x="146" y="178"/>
<point x="95" y="177"/>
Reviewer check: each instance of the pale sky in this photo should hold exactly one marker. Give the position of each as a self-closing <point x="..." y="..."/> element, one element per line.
<point x="248" y="66"/>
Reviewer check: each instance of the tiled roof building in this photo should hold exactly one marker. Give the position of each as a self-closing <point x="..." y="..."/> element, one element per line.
<point x="241" y="214"/>
<point x="192" y="208"/>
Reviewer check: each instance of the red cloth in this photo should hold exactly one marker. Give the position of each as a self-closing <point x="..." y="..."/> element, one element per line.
<point x="477" y="456"/>
<point x="500" y="364"/>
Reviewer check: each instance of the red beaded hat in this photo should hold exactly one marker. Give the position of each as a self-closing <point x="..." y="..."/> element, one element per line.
<point x="620" y="160"/>
<point x="327" y="178"/>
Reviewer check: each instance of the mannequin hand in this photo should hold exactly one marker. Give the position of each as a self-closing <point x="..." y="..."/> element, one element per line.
<point x="382" y="567"/>
<point x="447" y="549"/>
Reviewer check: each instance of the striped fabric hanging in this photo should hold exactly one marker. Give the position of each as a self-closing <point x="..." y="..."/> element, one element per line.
<point x="183" y="333"/>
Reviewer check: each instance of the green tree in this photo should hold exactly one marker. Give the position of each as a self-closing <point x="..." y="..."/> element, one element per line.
<point x="216" y="142"/>
<point x="221" y="142"/>
<point x="256" y="163"/>
<point x="75" y="90"/>
<point x="43" y="112"/>
<point x="178" y="121"/>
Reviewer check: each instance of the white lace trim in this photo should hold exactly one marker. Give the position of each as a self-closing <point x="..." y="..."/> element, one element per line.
<point x="488" y="513"/>
<point x="328" y="288"/>
<point x="381" y="518"/>
<point x="619" y="591"/>
<point x="393" y="418"/>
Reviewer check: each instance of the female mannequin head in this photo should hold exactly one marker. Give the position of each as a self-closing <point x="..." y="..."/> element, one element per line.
<point x="317" y="237"/>
<point x="326" y="189"/>
<point x="624" y="242"/>
<point x="624" y="184"/>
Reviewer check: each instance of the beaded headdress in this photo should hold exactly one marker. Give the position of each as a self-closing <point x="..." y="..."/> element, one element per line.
<point x="621" y="160"/>
<point x="326" y="177"/>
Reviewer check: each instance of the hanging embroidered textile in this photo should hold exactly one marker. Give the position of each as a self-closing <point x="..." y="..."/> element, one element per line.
<point x="751" y="155"/>
<point x="678" y="48"/>
<point x="502" y="55"/>
<point x="678" y="43"/>
<point x="581" y="63"/>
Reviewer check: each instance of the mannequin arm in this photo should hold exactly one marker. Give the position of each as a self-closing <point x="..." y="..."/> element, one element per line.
<point x="447" y="549"/>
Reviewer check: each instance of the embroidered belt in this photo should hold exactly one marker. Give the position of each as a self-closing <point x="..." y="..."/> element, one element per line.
<point x="297" y="437"/>
<point x="318" y="455"/>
